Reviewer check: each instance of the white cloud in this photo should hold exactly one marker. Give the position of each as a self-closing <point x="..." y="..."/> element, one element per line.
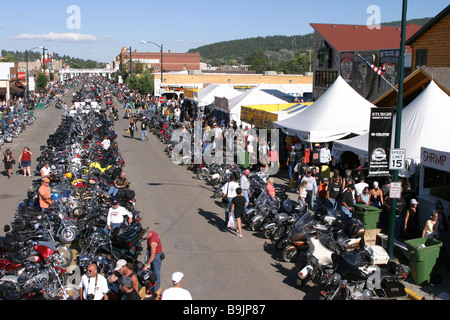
<point x="61" y="37"/>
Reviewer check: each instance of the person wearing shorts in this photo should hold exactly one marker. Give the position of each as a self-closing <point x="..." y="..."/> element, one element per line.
<point x="25" y="161"/>
<point x="238" y="205"/>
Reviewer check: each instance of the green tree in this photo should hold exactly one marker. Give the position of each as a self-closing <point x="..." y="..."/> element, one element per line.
<point x="133" y="82"/>
<point x="299" y="64"/>
<point x="41" y="81"/>
<point x="10" y="58"/>
<point x="146" y="83"/>
<point x="259" y="61"/>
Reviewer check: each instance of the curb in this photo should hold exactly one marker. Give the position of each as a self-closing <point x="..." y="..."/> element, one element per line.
<point x="413" y="295"/>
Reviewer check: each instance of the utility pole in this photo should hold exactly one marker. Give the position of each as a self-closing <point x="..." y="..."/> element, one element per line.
<point x="131" y="65"/>
<point x="309" y="50"/>
<point x="398" y="129"/>
<point x="43" y="58"/>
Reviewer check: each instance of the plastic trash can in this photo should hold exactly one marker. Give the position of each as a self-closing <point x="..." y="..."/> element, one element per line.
<point x="368" y="215"/>
<point x="423" y="253"/>
<point x="243" y="158"/>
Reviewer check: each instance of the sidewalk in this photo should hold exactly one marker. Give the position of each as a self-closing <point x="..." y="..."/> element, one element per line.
<point x="439" y="291"/>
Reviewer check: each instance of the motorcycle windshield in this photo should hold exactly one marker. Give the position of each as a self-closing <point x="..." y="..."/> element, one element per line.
<point x="306" y="219"/>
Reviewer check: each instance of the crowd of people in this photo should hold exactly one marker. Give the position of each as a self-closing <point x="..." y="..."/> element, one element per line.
<point x="340" y="189"/>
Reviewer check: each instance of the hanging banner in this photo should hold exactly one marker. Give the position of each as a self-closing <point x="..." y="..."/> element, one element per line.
<point x="379" y="141"/>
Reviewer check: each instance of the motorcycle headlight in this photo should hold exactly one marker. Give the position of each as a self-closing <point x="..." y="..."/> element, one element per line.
<point x="367" y="294"/>
<point x="336" y="278"/>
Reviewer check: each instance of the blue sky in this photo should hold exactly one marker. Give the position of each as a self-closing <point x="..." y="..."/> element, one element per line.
<point x="107" y="26"/>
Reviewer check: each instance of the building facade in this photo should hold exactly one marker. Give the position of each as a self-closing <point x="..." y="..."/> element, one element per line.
<point x="342" y="49"/>
<point x="431" y="44"/>
<point x="170" y="61"/>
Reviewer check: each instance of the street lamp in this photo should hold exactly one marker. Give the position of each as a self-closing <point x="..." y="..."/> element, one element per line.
<point x="161" y="64"/>
<point x="26" y="57"/>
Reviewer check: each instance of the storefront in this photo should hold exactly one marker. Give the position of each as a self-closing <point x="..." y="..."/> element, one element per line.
<point x="434" y="181"/>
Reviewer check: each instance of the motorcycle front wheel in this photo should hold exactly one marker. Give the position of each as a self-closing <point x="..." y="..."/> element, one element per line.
<point x="202" y="173"/>
<point x="71" y="293"/>
<point x="65" y="256"/>
<point x="289" y="256"/>
<point x="67" y="235"/>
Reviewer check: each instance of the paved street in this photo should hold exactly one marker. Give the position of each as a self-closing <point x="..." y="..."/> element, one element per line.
<point x="217" y="265"/>
<point x="14" y="190"/>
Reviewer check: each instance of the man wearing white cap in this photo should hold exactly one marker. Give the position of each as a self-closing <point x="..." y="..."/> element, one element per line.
<point x="176" y="292"/>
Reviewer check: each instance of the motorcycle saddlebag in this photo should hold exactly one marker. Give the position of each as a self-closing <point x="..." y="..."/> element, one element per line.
<point x="393" y="289"/>
<point x="130" y="236"/>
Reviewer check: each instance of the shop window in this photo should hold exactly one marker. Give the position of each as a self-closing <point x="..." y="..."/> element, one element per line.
<point x="438" y="181"/>
<point x="421" y="57"/>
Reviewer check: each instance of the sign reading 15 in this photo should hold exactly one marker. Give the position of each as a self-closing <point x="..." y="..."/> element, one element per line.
<point x="397" y="159"/>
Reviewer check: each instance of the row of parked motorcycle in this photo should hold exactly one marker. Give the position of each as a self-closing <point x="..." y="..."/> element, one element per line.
<point x="44" y="253"/>
<point x="13" y="124"/>
<point x="327" y="252"/>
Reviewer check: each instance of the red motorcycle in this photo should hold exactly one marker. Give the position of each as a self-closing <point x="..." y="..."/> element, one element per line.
<point x="39" y="269"/>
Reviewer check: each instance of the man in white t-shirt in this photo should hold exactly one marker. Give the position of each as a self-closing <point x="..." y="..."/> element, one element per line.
<point x="359" y="187"/>
<point x="45" y="170"/>
<point x="116" y="214"/>
<point x="229" y="190"/>
<point x="176" y="292"/>
<point x="93" y="286"/>
<point x="106" y="143"/>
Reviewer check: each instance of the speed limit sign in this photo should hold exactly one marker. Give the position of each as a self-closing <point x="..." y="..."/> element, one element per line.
<point x="397" y="159"/>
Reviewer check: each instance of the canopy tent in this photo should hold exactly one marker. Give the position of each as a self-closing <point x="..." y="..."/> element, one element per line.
<point x="339" y="112"/>
<point x="207" y="95"/>
<point x="424" y="124"/>
<point x="292" y="89"/>
<point x="254" y="96"/>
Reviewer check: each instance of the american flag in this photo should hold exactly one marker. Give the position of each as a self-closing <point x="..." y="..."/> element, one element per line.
<point x="379" y="71"/>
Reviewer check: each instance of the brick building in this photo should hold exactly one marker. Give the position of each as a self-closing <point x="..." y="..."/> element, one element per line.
<point x="337" y="50"/>
<point x="171" y="61"/>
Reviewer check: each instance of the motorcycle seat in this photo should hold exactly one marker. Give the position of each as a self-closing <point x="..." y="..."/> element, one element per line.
<point x="6" y="243"/>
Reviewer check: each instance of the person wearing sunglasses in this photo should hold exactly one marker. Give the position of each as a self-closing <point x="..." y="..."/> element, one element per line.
<point x="93" y="286"/>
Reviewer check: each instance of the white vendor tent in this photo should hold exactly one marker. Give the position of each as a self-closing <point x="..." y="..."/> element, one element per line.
<point x="207" y="95"/>
<point x="424" y="124"/>
<point x="291" y="111"/>
<point x="293" y="89"/>
<point x="340" y="111"/>
<point x="253" y="96"/>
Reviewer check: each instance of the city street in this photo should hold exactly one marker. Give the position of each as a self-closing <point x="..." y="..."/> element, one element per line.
<point x="217" y="265"/>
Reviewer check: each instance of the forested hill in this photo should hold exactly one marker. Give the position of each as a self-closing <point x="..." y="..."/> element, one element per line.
<point x="242" y="48"/>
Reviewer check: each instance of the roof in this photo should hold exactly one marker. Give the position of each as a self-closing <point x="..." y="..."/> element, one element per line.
<point x="414" y="84"/>
<point x="327" y="119"/>
<point x="347" y="37"/>
<point x="428" y="25"/>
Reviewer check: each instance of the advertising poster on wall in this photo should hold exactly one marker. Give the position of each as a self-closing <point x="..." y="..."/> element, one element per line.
<point x="380" y="141"/>
<point x="347" y="66"/>
<point x="389" y="60"/>
<point x="363" y="77"/>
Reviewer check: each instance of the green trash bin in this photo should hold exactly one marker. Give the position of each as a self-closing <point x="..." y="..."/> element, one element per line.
<point x="243" y="159"/>
<point x="422" y="258"/>
<point x="368" y="215"/>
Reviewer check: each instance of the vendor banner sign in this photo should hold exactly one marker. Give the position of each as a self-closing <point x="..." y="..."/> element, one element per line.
<point x="379" y="141"/>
